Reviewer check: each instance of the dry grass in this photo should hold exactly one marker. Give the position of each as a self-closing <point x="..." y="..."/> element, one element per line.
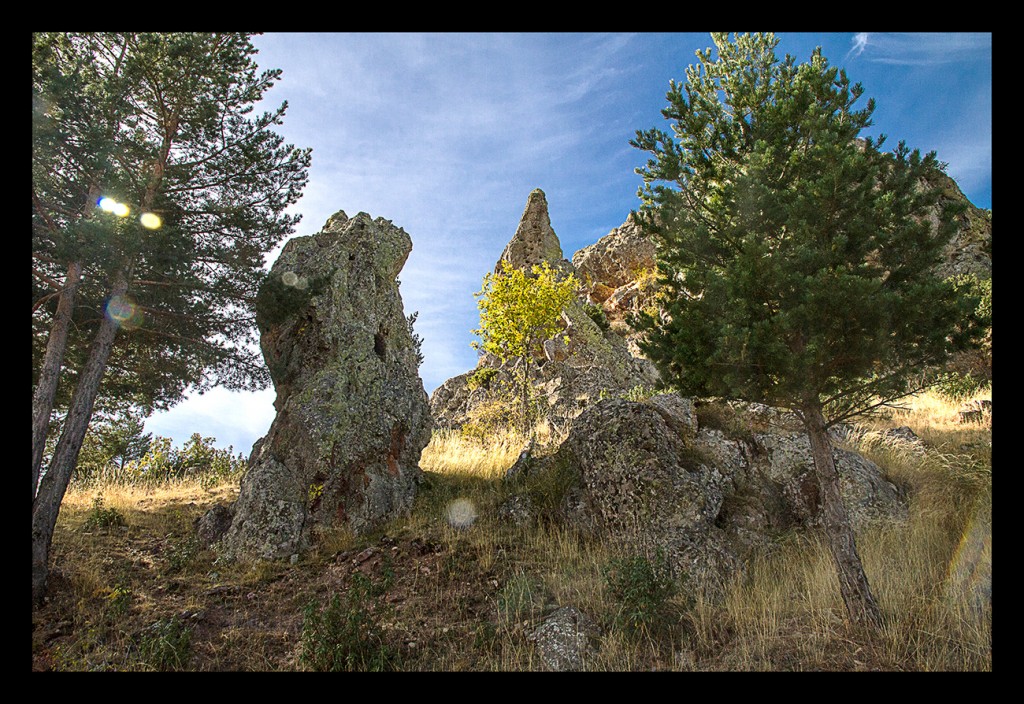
<point x="466" y="589"/>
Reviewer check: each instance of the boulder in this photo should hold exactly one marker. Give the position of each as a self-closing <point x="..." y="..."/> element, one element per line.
<point x="651" y="478"/>
<point x="214" y="524"/>
<point x="352" y="415"/>
<point x="566" y="640"/>
<point x="643" y="485"/>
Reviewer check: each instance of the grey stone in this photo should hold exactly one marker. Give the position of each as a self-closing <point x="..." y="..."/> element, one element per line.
<point x="534" y="241"/>
<point x="212" y="525"/>
<point x="352" y="415"/>
<point x="566" y="640"/>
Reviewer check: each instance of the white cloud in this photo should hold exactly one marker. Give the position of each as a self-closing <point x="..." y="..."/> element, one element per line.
<point x="921" y="48"/>
<point x="860" y="41"/>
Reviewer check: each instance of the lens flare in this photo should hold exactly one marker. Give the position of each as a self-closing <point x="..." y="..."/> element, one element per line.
<point x="150" y="221"/>
<point x="289" y="278"/>
<point x="109" y="205"/>
<point x="461" y="513"/>
<point x="124" y="312"/>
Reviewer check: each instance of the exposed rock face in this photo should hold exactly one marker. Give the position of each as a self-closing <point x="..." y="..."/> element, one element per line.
<point x="534" y="241"/>
<point x="644" y="486"/>
<point x="566" y="639"/>
<point x="650" y="477"/>
<point x="352" y="415"/>
<point x="594" y="363"/>
<point x="619" y="273"/>
<point x="969" y="251"/>
<point x="617" y="258"/>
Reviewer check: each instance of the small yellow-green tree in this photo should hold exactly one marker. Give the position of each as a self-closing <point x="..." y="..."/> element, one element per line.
<point x="518" y="311"/>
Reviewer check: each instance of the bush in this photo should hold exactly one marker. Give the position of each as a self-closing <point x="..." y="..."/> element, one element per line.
<point x="956" y="386"/>
<point x="101" y="517"/>
<point x="345" y="635"/>
<point x="481" y="378"/>
<point x="597" y="314"/>
<point x="166" y="644"/>
<point x="642" y="588"/>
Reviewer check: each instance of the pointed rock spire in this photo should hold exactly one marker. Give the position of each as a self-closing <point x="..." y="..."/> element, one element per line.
<point x="534" y="241"/>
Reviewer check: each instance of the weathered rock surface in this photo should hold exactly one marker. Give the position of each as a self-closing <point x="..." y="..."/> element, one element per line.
<point x="534" y="241"/>
<point x="566" y="639"/>
<point x="352" y="415"/>
<point x="212" y="525"/>
<point x="651" y="478"/>
<point x="969" y="251"/>
<point x="567" y="375"/>
<point x="619" y="273"/>
<point x="643" y="485"/>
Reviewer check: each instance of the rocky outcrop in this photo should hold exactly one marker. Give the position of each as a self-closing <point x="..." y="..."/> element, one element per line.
<point x="534" y="241"/>
<point x="643" y="485"/>
<point x="352" y="415"/>
<point x="619" y="274"/>
<point x="969" y="250"/>
<point x="651" y="478"/>
<point x="581" y="363"/>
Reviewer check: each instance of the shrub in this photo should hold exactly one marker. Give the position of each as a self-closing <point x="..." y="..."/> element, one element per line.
<point x="597" y="314"/>
<point x="345" y="635"/>
<point x="956" y="386"/>
<point x="481" y="378"/>
<point x="165" y="644"/>
<point x="101" y="517"/>
<point x="642" y="587"/>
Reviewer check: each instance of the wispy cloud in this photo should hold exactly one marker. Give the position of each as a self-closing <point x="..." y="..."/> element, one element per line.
<point x="860" y="41"/>
<point x="919" y="48"/>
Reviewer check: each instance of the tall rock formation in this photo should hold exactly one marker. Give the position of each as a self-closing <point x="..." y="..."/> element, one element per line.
<point x="595" y="362"/>
<point x="534" y="241"/>
<point x="352" y="415"/>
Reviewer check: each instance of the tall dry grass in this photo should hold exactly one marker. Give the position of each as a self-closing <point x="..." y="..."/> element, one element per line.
<point x="931" y="573"/>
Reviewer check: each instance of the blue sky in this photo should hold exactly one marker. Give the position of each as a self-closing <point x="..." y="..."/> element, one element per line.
<point x="447" y="134"/>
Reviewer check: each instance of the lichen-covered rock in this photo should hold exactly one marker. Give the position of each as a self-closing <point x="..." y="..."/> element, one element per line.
<point x="534" y="241"/>
<point x="212" y="525"/>
<point x="566" y="640"/>
<point x="352" y="415"/>
<point x="643" y="485"/>
<point x="579" y="364"/>
<point x="651" y="478"/>
<point x="617" y="259"/>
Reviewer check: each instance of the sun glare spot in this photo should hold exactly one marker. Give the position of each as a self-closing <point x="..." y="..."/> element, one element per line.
<point x="461" y="513"/>
<point x="123" y="311"/>
<point x="150" y="221"/>
<point x="109" y="205"/>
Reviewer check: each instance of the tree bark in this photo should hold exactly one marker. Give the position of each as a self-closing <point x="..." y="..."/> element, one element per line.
<point x="54" y="483"/>
<point x="46" y="388"/>
<point x="853" y="583"/>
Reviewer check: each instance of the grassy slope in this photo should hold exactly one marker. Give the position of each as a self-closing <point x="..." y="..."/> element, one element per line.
<point x="142" y="595"/>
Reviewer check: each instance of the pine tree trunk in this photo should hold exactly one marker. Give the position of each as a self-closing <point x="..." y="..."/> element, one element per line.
<point x="853" y="583"/>
<point x="54" y="483"/>
<point x="46" y="388"/>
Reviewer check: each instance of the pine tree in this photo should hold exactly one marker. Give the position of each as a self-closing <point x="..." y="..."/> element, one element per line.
<point x="156" y="193"/>
<point x="796" y="257"/>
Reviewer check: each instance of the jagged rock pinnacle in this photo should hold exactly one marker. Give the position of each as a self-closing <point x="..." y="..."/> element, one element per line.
<point x="534" y="241"/>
